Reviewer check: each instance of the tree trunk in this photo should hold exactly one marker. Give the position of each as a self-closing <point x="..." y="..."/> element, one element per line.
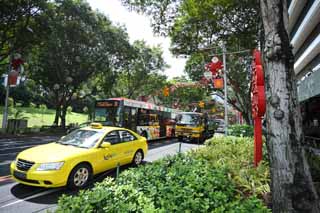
<point x="57" y="116"/>
<point x="246" y="116"/>
<point x="291" y="183"/>
<point x="63" y="116"/>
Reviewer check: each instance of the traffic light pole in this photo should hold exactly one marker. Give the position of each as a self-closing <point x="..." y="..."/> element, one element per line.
<point x="225" y="91"/>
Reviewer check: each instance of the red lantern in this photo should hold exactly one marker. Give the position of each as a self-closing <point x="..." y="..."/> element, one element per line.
<point x="214" y="65"/>
<point x="218" y="83"/>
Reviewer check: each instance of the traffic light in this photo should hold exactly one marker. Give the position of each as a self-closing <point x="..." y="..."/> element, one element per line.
<point x="201" y="104"/>
<point x="166" y="91"/>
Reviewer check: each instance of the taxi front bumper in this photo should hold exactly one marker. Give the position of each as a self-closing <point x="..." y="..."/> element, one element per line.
<point x="32" y="177"/>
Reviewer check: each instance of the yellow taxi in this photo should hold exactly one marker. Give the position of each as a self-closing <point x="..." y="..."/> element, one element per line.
<point x="76" y="157"/>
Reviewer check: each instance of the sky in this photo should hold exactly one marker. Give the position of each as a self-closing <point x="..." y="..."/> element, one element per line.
<point x="138" y="28"/>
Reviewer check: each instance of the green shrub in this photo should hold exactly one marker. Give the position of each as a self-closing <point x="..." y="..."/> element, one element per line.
<point x="235" y="154"/>
<point x="240" y="130"/>
<point x="69" y="109"/>
<point x="107" y="196"/>
<point x="175" y="184"/>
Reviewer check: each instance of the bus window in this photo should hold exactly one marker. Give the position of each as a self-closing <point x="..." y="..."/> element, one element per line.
<point x="153" y="120"/>
<point x="108" y="116"/>
<point x="133" y="119"/>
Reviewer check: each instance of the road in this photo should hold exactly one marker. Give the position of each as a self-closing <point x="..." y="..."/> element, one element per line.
<point x="16" y="197"/>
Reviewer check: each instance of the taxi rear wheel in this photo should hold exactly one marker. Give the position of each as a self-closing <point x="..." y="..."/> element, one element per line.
<point x="138" y="157"/>
<point x="80" y="176"/>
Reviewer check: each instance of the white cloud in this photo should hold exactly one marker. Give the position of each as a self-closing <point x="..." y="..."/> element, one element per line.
<point x="138" y="27"/>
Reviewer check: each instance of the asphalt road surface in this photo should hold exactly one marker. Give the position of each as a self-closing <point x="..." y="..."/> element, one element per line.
<point x="16" y="197"/>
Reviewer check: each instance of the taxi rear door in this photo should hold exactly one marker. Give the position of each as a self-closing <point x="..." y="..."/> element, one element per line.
<point x="129" y="142"/>
<point x="106" y="157"/>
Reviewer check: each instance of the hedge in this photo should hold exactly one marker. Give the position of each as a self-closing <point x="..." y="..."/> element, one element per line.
<point x="182" y="183"/>
<point x="235" y="155"/>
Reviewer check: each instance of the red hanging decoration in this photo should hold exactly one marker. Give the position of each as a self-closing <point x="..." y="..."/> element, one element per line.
<point x="258" y="104"/>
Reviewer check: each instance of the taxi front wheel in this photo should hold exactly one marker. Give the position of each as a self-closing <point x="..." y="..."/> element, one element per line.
<point x="80" y="176"/>
<point x="137" y="159"/>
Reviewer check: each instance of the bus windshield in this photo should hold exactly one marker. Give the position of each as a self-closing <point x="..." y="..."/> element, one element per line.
<point x="188" y="119"/>
<point x="108" y="116"/>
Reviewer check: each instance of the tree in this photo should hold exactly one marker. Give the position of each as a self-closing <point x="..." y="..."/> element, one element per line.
<point x="80" y="43"/>
<point x="196" y="28"/>
<point x="292" y="187"/>
<point x="238" y="79"/>
<point x="145" y="66"/>
<point x="184" y="94"/>
<point x="22" y="26"/>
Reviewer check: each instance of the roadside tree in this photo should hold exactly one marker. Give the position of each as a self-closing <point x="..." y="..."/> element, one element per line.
<point x="197" y="28"/>
<point x="22" y="26"/>
<point x="292" y="186"/>
<point x="80" y="43"/>
<point x="143" y="75"/>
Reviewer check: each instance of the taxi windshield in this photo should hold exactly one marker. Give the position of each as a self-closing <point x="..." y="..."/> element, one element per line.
<point x="188" y="119"/>
<point x="81" y="138"/>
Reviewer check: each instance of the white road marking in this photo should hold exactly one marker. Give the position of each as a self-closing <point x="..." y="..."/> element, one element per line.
<point x="30" y="197"/>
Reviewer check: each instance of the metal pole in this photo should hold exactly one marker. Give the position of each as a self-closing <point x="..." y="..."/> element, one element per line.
<point x="5" y="110"/>
<point x="118" y="170"/>
<point x="225" y="90"/>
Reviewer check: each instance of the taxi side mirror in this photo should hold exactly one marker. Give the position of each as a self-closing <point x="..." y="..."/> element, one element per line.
<point x="105" y="145"/>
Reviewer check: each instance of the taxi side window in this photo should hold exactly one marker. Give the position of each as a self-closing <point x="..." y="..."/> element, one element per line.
<point x="112" y="137"/>
<point x="126" y="136"/>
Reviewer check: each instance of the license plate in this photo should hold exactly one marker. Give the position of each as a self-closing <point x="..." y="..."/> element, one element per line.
<point x="20" y="175"/>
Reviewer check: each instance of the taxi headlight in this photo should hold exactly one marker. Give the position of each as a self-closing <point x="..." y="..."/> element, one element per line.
<point x="50" y="166"/>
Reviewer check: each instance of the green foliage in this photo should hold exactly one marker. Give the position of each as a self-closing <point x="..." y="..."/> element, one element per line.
<point x="174" y="184"/>
<point x="69" y="109"/>
<point x="235" y="154"/>
<point x="21" y="27"/>
<point x="107" y="196"/>
<point x="10" y="102"/>
<point x="146" y="64"/>
<point x="84" y="42"/>
<point x="43" y="107"/>
<point x="32" y="105"/>
<point x="240" y="130"/>
<point x="17" y="113"/>
<point x="85" y="109"/>
<point x="197" y="28"/>
<point x="37" y="117"/>
<point x="184" y="96"/>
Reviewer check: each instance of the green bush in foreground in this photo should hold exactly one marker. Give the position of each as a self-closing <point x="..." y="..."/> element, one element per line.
<point x="235" y="154"/>
<point x="176" y="184"/>
<point x="240" y="130"/>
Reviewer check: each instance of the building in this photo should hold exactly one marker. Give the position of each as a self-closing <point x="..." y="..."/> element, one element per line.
<point x="304" y="31"/>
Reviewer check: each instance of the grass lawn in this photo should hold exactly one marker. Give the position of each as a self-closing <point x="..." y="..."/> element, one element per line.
<point x="36" y="118"/>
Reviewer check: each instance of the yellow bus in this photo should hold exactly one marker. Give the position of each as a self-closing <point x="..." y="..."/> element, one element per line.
<point x="147" y="119"/>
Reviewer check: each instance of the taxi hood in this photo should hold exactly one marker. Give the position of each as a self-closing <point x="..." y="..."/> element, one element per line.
<point x="52" y="152"/>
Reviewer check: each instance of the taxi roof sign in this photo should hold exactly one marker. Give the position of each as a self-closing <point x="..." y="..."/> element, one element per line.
<point x="96" y="125"/>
